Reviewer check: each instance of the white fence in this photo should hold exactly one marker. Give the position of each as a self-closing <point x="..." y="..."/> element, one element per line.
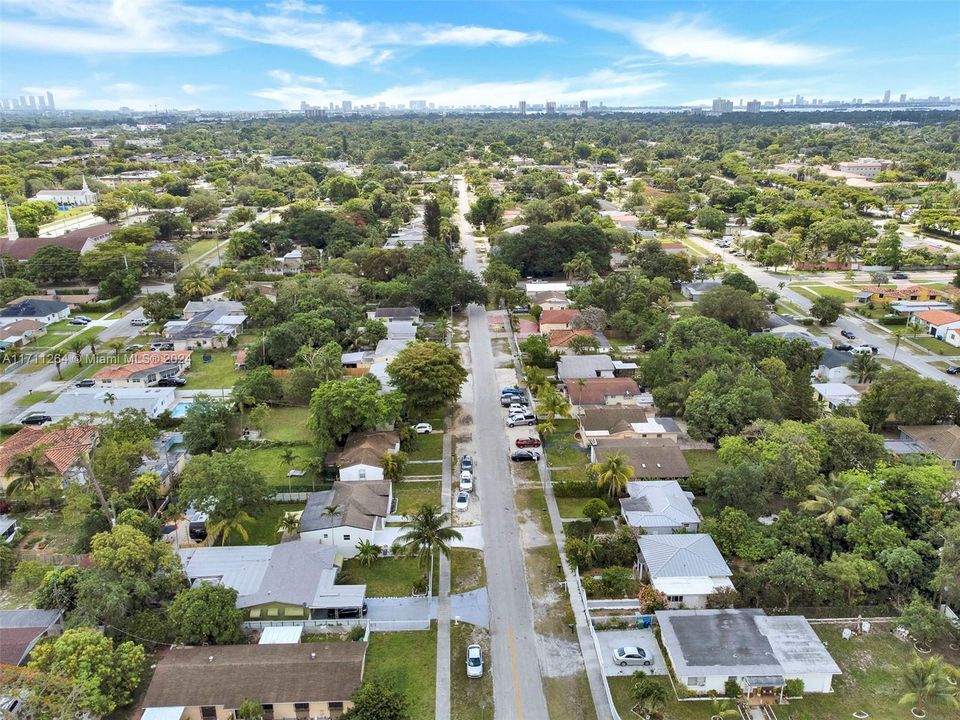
<point x="343" y="624"/>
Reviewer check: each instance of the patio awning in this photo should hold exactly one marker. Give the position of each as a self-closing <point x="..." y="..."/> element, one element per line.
<point x="759" y="681"/>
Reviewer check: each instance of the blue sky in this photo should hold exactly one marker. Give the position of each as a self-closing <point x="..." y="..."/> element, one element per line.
<point x="271" y="54"/>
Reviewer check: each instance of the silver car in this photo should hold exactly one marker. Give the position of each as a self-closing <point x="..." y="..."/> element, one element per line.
<point x="474" y="661"/>
<point x="631" y="656"/>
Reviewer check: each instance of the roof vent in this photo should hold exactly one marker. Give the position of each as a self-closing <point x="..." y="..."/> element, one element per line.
<point x="313" y="656"/>
<point x="659" y="465"/>
<point x="210" y="658"/>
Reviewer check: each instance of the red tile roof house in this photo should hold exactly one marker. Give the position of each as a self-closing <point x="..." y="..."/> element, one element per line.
<point x="557" y="319"/>
<point x="83" y="240"/>
<point x="937" y="322"/>
<point x="602" y="391"/>
<point x="63" y="449"/>
<point x="145" y="369"/>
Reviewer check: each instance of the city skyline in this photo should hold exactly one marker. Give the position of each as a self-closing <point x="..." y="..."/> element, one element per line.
<point x="275" y="55"/>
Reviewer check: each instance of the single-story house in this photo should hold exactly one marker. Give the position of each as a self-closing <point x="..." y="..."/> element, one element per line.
<point x="8" y="528"/>
<point x="209" y="328"/>
<point x="659" y="507"/>
<point x="74" y="301"/>
<point x="170" y="458"/>
<point x="834" y="394"/>
<point x="361" y="514"/>
<point x="544" y="286"/>
<point x="937" y="322"/>
<point x="799" y="332"/>
<point x="401" y="330"/>
<point x="708" y="647"/>
<point x="550" y="300"/>
<point x="834" y="366"/>
<point x="603" y="391"/>
<point x="289" y="581"/>
<point x="693" y="291"/>
<point x="684" y="567"/>
<point x="94" y="402"/>
<point x="198" y="307"/>
<point x="311" y="680"/>
<point x="41" y="311"/>
<point x="940" y="440"/>
<point x="21" y="630"/>
<point x="879" y="294"/>
<point x="563" y="339"/>
<point x="362" y="454"/>
<point x="410" y="314"/>
<point x="63" y="450"/>
<point x="911" y="308"/>
<point x="557" y="319"/>
<point x="623" y="422"/>
<point x="20" y="333"/>
<point x="651" y="459"/>
<point x="581" y="367"/>
<point x="82" y="240"/>
<point x="145" y="369"/>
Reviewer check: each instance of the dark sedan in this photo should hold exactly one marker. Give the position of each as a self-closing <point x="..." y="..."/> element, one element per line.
<point x="524" y="456"/>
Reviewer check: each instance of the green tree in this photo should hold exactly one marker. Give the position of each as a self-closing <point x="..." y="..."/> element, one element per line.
<point x="650" y="695"/>
<point x="110" y="208"/>
<point x="834" y="501"/>
<point x="195" y="285"/>
<point x="826" y="309"/>
<point x="923" y="620"/>
<point x="367" y="553"/>
<point x="225" y="527"/>
<point x="289" y="524"/>
<point x="712" y="219"/>
<point x="429" y="375"/>
<point x="788" y="574"/>
<point x="850" y="577"/>
<point x="201" y="205"/>
<point x="743" y="486"/>
<point x="207" y="426"/>
<point x="31" y="474"/>
<point x="485" y="212"/>
<point x="206" y="614"/>
<point x="595" y="510"/>
<point x="158" y="307"/>
<point x="908" y="397"/>
<point x="733" y="307"/>
<point x="340" y="407"/>
<point x="865" y="367"/>
<point x="426" y="533"/>
<point x="394" y="465"/>
<point x="928" y="682"/>
<point x="224" y="485"/>
<point x="613" y="473"/>
<point x="431" y="218"/>
<point x="375" y="700"/>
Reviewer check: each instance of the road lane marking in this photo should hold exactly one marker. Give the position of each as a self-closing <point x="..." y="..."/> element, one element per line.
<point x="516" y="675"/>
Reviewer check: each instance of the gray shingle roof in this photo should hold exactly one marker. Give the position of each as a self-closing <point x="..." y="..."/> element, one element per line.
<point x="360" y="503"/>
<point x="692" y="555"/>
<point x="583" y="366"/>
<point x="657" y="504"/>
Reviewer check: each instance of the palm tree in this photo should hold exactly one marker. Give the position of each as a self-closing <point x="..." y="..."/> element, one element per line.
<point x="225" y="527"/>
<point x="614" y="473"/>
<point x="845" y="253"/>
<point x="650" y="695"/>
<point x="394" y="465"/>
<point x="928" y="683"/>
<point x="332" y="511"/>
<point x="57" y="360"/>
<point x="553" y="404"/>
<point x="30" y="473"/>
<point x="580" y="266"/>
<point x="92" y="343"/>
<point x="834" y="501"/>
<point x="76" y="347"/>
<point x="117" y="346"/>
<point x="367" y="553"/>
<point x="865" y="367"/>
<point x="724" y="708"/>
<point x="289" y="524"/>
<point x="289" y="457"/>
<point x="536" y="378"/>
<point x="195" y="284"/>
<point x="110" y="399"/>
<point x="428" y="532"/>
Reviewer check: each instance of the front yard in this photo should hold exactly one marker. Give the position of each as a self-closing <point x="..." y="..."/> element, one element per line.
<point x="428" y="447"/>
<point x="466" y="570"/>
<point x="408" y="662"/>
<point x="387" y="577"/>
<point x="412" y="495"/>
<point x="935" y="346"/>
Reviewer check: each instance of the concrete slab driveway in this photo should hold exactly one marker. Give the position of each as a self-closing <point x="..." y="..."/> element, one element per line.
<point x="610" y="640"/>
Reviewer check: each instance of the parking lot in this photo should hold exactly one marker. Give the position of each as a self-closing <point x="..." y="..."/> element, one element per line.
<point x="610" y="640"/>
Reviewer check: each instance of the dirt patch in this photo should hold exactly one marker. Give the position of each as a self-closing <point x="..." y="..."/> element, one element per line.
<point x="531" y="534"/>
<point x="561" y="657"/>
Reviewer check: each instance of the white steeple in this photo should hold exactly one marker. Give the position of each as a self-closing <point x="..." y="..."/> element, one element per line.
<point x="12" y="233"/>
<point x="84" y="187"/>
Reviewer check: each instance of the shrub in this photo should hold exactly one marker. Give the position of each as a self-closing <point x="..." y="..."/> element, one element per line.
<point x="617" y="581"/>
<point x="595" y="510"/>
<point x="357" y="632"/>
<point x="578" y="529"/>
<point x="651" y="599"/>
<point x="732" y="689"/>
<point x="28" y="575"/>
<point x="576" y="488"/>
<point x="8" y="561"/>
<point x="794" y="688"/>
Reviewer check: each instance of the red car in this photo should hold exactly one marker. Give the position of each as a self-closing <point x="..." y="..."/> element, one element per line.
<point x="528" y="442"/>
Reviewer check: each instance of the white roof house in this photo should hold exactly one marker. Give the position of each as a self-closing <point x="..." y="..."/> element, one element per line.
<point x="93" y="401"/>
<point x="686" y="568"/>
<point x="659" y="506"/>
<point x="835" y="394"/>
<point x="573" y="367"/>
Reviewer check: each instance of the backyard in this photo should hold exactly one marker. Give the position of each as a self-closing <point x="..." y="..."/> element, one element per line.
<point x="289" y="424"/>
<point x="264" y="530"/>
<point x="407" y="661"/>
<point x="270" y="462"/>
<point x="220" y="372"/>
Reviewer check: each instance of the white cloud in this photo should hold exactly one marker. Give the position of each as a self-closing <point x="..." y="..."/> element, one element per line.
<point x="694" y="37"/>
<point x="191" y="89"/>
<point x="609" y="86"/>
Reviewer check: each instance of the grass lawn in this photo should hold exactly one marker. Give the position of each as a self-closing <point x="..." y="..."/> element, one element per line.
<point x="31" y="398"/>
<point x="702" y="462"/>
<point x="387" y="577"/>
<point x="466" y="570"/>
<point x="707" y="507"/>
<point x="805" y="291"/>
<point x="936" y="346"/>
<point x="412" y="495"/>
<point x="6" y="386"/>
<point x="425" y="469"/>
<point x="572" y="507"/>
<point x="264" y="530"/>
<point x="407" y="661"/>
<point x="470" y="699"/>
<point x="840" y="294"/>
<point x="289" y="424"/>
<point x="270" y="462"/>
<point x="564" y="451"/>
<point x="197" y="249"/>
<point x="428" y="447"/>
<point x="45" y="530"/>
<point x="620" y="688"/>
<point x="218" y="373"/>
<point x="569" y="698"/>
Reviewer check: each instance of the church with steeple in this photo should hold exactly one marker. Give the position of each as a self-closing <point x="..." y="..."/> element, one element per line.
<point x="69" y="198"/>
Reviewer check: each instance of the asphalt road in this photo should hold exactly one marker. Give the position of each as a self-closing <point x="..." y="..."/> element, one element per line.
<point x="517" y="683"/>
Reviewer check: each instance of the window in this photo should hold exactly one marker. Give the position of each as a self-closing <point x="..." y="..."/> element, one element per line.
<point x="362" y="473"/>
<point x="346" y="537"/>
<point x="675" y="598"/>
<point x="208" y="712"/>
<point x="696" y="681"/>
<point x="267" y="712"/>
<point x="302" y="710"/>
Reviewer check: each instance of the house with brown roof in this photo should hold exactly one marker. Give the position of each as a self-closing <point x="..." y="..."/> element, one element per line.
<point x="20" y="333"/>
<point x="557" y="319"/>
<point x="624" y="422"/>
<point x="651" y="459"/>
<point x="347" y="514"/>
<point x="145" y="369"/>
<point x="21" y="630"/>
<point x="940" y="440"/>
<point x="550" y="300"/>
<point x="586" y="392"/>
<point x="914" y="293"/>
<point x="82" y="240"/>
<point x="937" y="322"/>
<point x="311" y="680"/>
<point x="63" y="450"/>
<point x="561" y="339"/>
<point x="362" y="454"/>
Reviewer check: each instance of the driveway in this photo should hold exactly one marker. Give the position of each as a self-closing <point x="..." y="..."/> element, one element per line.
<point x="643" y="638"/>
<point x="469" y="607"/>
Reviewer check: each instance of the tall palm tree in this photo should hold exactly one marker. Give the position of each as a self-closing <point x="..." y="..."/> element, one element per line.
<point x="110" y="399"/>
<point x="30" y="473"/>
<point x="57" y="361"/>
<point x="928" y="683"/>
<point x="225" y="527"/>
<point x="332" y="511"/>
<point x="553" y="404"/>
<point x="289" y="524"/>
<point x="289" y="457"/>
<point x="92" y="343"/>
<point x="845" y="253"/>
<point x="394" y="465"/>
<point x="367" y="553"/>
<point x="834" y="501"/>
<point x="195" y="284"/>
<point x="428" y="532"/>
<point x="865" y="367"/>
<point x="580" y="266"/>
<point x="76" y="346"/>
<point x="536" y="378"/>
<point x="614" y="473"/>
<point x="117" y="345"/>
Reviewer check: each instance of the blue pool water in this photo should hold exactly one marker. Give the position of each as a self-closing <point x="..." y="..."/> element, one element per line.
<point x="180" y="410"/>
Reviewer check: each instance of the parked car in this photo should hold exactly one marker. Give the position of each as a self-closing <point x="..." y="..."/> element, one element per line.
<point x="171" y="382"/>
<point x="511" y="390"/>
<point x="139" y="322"/>
<point x="133" y="348"/>
<point x="466" y="463"/>
<point x="848" y="335"/>
<point x="511" y="399"/>
<point x="900" y="276"/>
<point x="953" y="370"/>
<point x="515" y="420"/>
<point x="865" y="350"/>
<point x="347" y="612"/>
<point x="83" y="317"/>
<point x="524" y="456"/>
<point x="466" y="481"/>
<point x="528" y="442"/>
<point x="36" y="419"/>
<point x="78" y="321"/>
<point x="843" y="347"/>
<point x="516" y="409"/>
<point x="155" y="346"/>
<point x="474" y="661"/>
<point x="86" y="383"/>
<point x="631" y="656"/>
<point x="463" y="501"/>
<point x="521" y="309"/>
<point x="423" y="428"/>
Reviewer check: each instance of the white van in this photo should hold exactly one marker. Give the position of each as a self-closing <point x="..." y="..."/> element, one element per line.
<point x="864" y="350"/>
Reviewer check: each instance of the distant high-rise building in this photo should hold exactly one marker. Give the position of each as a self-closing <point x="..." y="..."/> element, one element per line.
<point x="381" y="105"/>
<point x="721" y="105"/>
<point x="6" y="104"/>
<point x="753" y="106"/>
<point x="798" y="100"/>
<point x="584" y="107"/>
<point x="33" y="102"/>
<point x="886" y="97"/>
<point x="314" y="112"/>
<point x="418" y="105"/>
<point x="903" y="97"/>
<point x="522" y="107"/>
<point x="23" y="101"/>
<point x="347" y="105"/>
<point x="551" y="107"/>
<point x="50" y="101"/>
<point x="42" y="102"/>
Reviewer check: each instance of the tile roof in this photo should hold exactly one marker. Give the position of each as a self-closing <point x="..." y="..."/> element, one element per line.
<point x="904" y="292"/>
<point x="684" y="555"/>
<point x="558" y="317"/>
<point x="142" y="362"/>
<point x="595" y="391"/>
<point x="652" y="459"/>
<point x="360" y="504"/>
<point x="267" y="674"/>
<point x="367" y="448"/>
<point x="562" y="338"/>
<point x="938" y="317"/>
<point x="62" y="446"/>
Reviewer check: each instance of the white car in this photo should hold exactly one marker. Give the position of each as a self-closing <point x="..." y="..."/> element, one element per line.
<point x="517" y="408"/>
<point x="631" y="656"/>
<point x="466" y="481"/>
<point x="463" y="501"/>
<point x="139" y="322"/>
<point x="474" y="661"/>
<point x="423" y="428"/>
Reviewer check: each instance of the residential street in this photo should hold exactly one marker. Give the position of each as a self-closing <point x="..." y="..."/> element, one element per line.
<point x="517" y="682"/>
